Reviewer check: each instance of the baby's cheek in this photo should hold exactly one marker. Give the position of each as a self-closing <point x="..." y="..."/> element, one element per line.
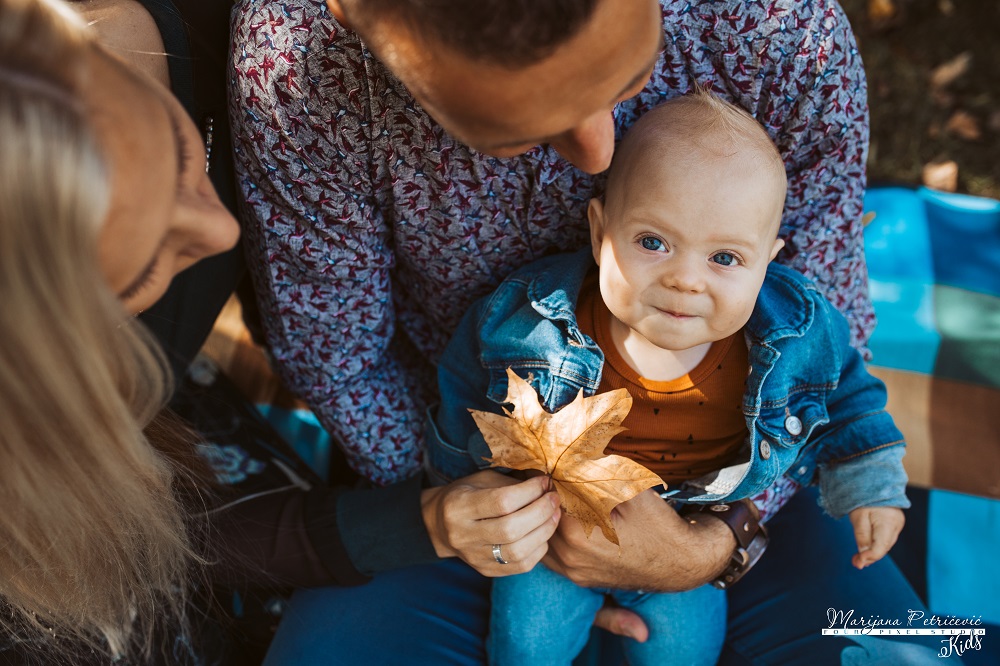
<point x="618" y="293"/>
<point x="733" y="318"/>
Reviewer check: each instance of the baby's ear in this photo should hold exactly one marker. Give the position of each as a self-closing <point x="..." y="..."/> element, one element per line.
<point x="778" y="244"/>
<point x="595" y="213"/>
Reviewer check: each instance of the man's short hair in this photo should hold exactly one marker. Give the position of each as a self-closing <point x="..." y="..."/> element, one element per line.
<point x="510" y="33"/>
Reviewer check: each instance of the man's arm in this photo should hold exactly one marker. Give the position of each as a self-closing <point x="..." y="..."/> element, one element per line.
<point x="318" y="247"/>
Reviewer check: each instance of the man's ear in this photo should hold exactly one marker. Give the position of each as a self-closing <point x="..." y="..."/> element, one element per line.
<point x="778" y="244"/>
<point x="338" y="12"/>
<point x="595" y="213"/>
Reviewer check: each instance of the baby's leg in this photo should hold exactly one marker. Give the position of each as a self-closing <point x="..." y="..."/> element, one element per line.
<point x="685" y="628"/>
<point x="539" y="617"/>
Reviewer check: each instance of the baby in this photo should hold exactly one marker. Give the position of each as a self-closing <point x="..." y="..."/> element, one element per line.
<point x="739" y="370"/>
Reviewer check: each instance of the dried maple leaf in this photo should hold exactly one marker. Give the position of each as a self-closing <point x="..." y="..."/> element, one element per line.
<point x="569" y="447"/>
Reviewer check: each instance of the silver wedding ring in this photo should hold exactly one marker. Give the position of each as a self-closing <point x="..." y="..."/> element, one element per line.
<point x="497" y="555"/>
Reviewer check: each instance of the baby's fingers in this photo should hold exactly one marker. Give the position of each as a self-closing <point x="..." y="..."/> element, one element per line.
<point x="884" y="525"/>
<point x="861" y="520"/>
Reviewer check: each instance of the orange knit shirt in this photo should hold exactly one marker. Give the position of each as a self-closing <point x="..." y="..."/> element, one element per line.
<point x="682" y="428"/>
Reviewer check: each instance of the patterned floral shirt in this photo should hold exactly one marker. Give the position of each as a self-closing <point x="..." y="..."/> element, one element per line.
<point x="370" y="231"/>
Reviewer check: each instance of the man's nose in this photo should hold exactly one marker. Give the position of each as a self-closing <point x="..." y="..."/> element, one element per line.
<point x="590" y="145"/>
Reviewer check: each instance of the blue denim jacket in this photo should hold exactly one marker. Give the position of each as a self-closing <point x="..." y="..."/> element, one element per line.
<point x="810" y="404"/>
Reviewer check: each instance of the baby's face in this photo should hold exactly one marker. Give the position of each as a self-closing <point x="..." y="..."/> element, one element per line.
<point x="684" y="248"/>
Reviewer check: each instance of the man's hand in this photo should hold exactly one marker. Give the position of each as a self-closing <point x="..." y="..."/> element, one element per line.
<point x="875" y="530"/>
<point x="659" y="550"/>
<point x="468" y="516"/>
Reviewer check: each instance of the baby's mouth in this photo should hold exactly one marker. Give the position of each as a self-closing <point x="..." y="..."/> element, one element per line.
<point x="676" y="314"/>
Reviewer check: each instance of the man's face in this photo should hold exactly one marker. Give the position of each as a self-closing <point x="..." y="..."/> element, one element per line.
<point x="683" y="249"/>
<point x="565" y="100"/>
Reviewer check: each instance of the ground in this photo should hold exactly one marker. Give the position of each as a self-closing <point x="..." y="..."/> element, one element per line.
<point x="934" y="90"/>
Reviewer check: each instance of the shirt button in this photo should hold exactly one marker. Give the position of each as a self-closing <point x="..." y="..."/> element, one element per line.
<point x="765" y="449"/>
<point x="793" y="425"/>
<point x="803" y="470"/>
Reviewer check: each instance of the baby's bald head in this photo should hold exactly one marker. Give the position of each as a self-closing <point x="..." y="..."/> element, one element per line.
<point x="696" y="132"/>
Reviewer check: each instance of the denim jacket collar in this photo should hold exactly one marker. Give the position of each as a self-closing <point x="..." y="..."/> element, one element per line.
<point x="782" y="309"/>
<point x="554" y="294"/>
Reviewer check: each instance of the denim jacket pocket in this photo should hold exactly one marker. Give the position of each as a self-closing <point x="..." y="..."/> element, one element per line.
<point x="497" y="388"/>
<point x="552" y="393"/>
<point x="791" y="424"/>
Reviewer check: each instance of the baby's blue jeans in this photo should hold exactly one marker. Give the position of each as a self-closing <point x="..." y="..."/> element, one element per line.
<point x="542" y="618"/>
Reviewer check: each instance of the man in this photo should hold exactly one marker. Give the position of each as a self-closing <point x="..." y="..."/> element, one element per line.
<point x="398" y="159"/>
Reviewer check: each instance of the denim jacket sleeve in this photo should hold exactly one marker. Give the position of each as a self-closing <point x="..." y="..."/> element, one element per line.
<point x="859" y="451"/>
<point x="527" y="324"/>
<point x="454" y="446"/>
<point x="875" y="479"/>
<point x="858" y="423"/>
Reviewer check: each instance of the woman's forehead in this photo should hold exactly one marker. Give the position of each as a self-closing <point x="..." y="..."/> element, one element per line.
<point x="132" y="125"/>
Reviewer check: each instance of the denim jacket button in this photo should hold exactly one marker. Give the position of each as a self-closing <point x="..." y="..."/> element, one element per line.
<point x="765" y="449"/>
<point x="793" y="425"/>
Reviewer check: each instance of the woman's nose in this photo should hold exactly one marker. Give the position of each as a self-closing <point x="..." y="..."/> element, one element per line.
<point x="590" y="145"/>
<point x="202" y="227"/>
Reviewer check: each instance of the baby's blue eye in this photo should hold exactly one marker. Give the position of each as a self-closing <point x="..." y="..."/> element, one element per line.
<point x="724" y="258"/>
<point x="652" y="243"/>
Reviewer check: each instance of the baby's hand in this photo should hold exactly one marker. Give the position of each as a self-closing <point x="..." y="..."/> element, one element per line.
<point x="875" y="530"/>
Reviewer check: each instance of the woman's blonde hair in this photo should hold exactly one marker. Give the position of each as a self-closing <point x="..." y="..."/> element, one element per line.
<point x="93" y="543"/>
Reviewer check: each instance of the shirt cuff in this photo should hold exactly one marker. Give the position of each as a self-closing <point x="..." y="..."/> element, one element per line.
<point x="383" y="528"/>
<point x="874" y="479"/>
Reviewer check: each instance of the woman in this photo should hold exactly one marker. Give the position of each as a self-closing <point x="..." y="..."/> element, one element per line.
<point x="96" y="543"/>
<point x="97" y="554"/>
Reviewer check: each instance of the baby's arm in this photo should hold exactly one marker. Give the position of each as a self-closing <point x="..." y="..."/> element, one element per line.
<point x="875" y="529"/>
<point x="871" y="489"/>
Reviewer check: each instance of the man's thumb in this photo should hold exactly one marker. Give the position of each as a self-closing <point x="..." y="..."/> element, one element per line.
<point x="622" y="622"/>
